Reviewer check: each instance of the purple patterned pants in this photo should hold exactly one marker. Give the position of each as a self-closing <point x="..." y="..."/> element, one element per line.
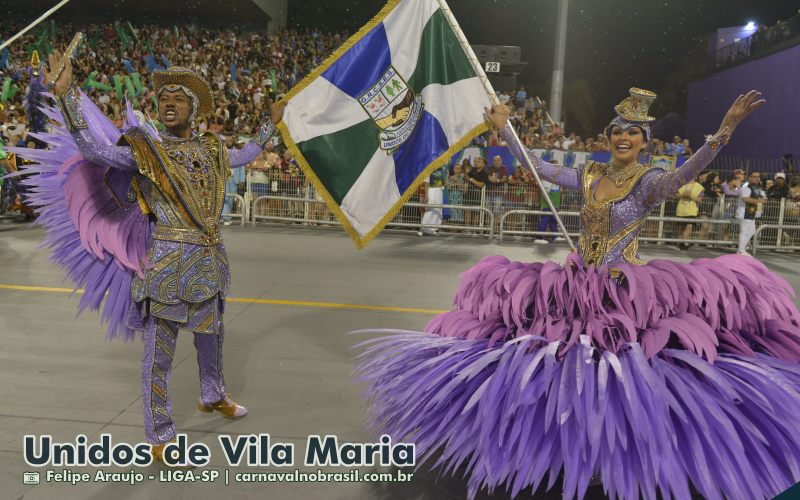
<point x="160" y="340"/>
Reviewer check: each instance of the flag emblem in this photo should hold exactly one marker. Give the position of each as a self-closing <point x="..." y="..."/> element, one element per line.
<point x="394" y="108"/>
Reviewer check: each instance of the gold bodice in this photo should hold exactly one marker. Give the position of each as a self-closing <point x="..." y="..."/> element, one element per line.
<point x="596" y="239"/>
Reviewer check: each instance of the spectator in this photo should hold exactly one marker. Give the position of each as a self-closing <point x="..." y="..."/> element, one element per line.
<point x="259" y="182"/>
<point x="654" y="147"/>
<point x="780" y="189"/>
<point x="435" y="196"/>
<point x="751" y="201"/>
<point x="548" y="222"/>
<point x="710" y="205"/>
<point x="731" y="190"/>
<point x="515" y="199"/>
<point x="270" y="156"/>
<point x="688" y="208"/>
<point x="466" y="166"/>
<point x="478" y="179"/>
<point x="521" y="96"/>
<point x="497" y="187"/>
<point x="675" y="148"/>
<point x="567" y="142"/>
<point x="687" y="149"/>
<point x="792" y="214"/>
<point x="287" y="161"/>
<point x="456" y="185"/>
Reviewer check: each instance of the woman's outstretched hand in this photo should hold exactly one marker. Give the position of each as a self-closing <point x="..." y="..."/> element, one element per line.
<point x="741" y="108"/>
<point x="497" y="115"/>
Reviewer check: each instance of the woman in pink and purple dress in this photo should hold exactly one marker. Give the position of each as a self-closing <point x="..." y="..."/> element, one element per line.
<point x="658" y="378"/>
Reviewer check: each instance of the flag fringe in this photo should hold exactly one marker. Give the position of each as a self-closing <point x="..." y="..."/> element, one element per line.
<point x="346" y="45"/>
<point x="333" y="205"/>
<point x="443" y="159"/>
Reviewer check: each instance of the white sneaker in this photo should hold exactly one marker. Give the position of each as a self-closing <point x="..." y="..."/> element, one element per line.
<point x="743" y="253"/>
<point x="541" y="241"/>
<point x="419" y="233"/>
<point x="559" y="238"/>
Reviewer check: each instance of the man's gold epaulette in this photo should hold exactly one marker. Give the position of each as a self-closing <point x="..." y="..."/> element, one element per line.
<point x="143" y="153"/>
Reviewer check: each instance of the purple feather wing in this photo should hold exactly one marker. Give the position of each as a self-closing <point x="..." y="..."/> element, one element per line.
<point x="94" y="233"/>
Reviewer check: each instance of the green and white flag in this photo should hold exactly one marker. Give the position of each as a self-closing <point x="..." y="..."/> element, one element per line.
<point x="395" y="102"/>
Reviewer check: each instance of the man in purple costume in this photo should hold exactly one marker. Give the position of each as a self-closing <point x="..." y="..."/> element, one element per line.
<point x="178" y="181"/>
<point x="660" y="378"/>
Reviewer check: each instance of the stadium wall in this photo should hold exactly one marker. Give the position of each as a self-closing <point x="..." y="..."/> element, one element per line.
<point x="775" y="129"/>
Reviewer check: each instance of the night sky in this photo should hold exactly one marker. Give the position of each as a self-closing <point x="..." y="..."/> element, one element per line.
<point x="612" y="44"/>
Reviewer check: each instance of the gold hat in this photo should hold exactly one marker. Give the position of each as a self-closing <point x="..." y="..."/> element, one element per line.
<point x="177" y="75"/>
<point x="636" y="107"/>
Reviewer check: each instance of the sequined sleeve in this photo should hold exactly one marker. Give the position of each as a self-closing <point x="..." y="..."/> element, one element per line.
<point x="569" y="178"/>
<point x="120" y="157"/>
<point x="244" y="156"/>
<point x="658" y="185"/>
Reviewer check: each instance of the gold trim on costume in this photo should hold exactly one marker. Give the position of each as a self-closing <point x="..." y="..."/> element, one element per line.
<point x="199" y="196"/>
<point x="139" y="198"/>
<point x="631" y="251"/>
<point x="595" y="239"/>
<point x="187" y="235"/>
<point x="625" y="232"/>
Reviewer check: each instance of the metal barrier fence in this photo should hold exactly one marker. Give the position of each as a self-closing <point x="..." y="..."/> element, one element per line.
<point x="516" y="210"/>
<point x="235" y="207"/>
<point x="483" y="215"/>
<point x="788" y="237"/>
<point x="519" y="219"/>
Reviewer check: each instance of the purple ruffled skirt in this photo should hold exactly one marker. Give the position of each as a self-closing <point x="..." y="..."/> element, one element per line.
<point x="667" y="378"/>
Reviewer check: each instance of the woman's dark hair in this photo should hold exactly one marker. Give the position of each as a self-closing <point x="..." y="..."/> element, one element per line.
<point x="611" y="127"/>
<point x="711" y="177"/>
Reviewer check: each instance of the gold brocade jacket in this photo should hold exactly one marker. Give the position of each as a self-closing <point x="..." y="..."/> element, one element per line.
<point x="182" y="185"/>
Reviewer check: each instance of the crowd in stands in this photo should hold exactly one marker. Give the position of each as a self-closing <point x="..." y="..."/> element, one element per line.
<point x="246" y="71"/>
<point x="764" y="38"/>
<point x="537" y="130"/>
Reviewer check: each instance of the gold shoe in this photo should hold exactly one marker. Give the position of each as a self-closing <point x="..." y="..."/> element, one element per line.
<point x="157" y="451"/>
<point x="226" y="406"/>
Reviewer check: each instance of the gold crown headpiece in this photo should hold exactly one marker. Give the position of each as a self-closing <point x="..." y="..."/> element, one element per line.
<point x="636" y="107"/>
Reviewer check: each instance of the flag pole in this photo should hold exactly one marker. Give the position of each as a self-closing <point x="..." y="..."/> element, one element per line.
<point x="33" y="24"/>
<point x="490" y="91"/>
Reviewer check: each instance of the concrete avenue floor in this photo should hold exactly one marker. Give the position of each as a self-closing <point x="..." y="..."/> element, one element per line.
<point x="288" y="357"/>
